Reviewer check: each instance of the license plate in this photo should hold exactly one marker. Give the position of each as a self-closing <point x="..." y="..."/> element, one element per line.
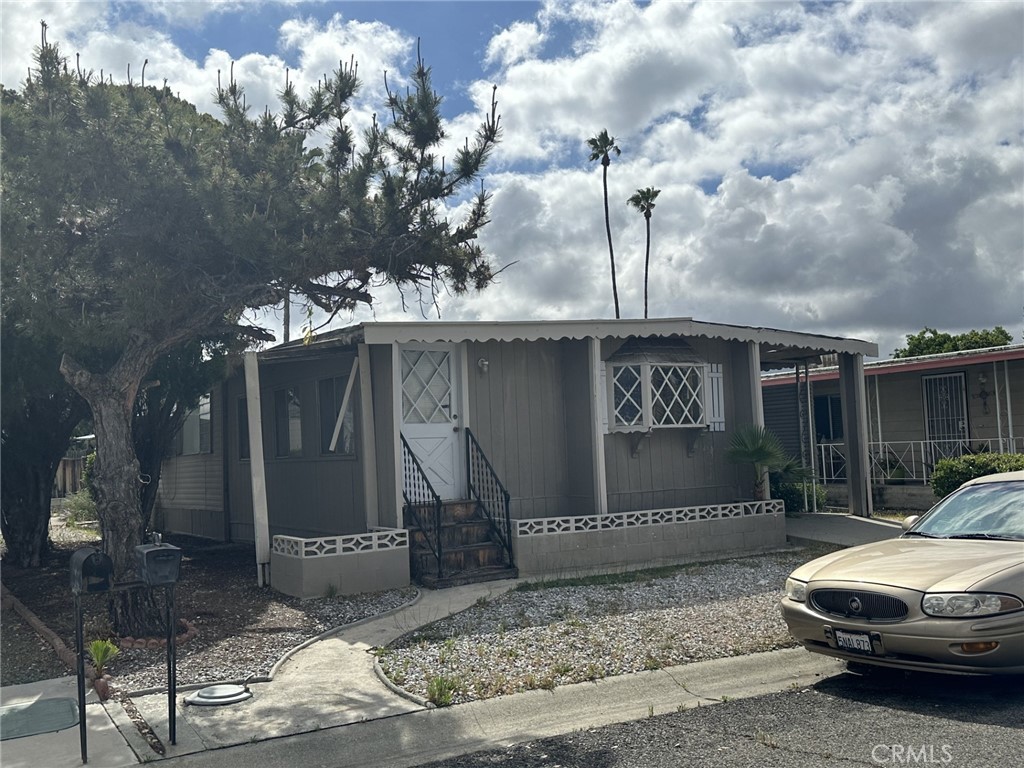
<point x="854" y="641"/>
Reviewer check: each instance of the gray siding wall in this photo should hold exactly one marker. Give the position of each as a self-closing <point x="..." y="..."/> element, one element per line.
<point x="518" y="415"/>
<point x="310" y="495"/>
<point x="191" y="495"/>
<point x="683" y="467"/>
<point x="579" y="433"/>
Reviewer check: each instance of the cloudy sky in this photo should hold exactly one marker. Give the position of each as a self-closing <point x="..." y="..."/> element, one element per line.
<point x="842" y="168"/>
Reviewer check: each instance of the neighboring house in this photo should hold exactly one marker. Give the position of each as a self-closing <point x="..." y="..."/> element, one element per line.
<point x="920" y="410"/>
<point x="459" y="451"/>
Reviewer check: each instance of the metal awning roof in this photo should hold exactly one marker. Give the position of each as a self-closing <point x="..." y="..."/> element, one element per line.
<point x="656" y="350"/>
<point x="778" y="347"/>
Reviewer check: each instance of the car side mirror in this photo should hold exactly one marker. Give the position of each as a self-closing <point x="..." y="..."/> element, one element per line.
<point x="909" y="521"/>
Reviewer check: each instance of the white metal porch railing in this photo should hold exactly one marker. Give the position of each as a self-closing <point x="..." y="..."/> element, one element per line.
<point x="908" y="460"/>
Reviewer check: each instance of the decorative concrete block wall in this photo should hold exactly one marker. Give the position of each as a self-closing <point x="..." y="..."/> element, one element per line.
<point x="346" y="565"/>
<point x="632" y="540"/>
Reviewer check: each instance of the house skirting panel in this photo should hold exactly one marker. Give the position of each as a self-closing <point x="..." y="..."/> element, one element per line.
<point x="205" y="523"/>
<point x="566" y="546"/>
<point x="345" y="565"/>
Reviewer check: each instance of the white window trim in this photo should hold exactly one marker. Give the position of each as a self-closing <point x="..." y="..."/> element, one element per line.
<point x="647" y="396"/>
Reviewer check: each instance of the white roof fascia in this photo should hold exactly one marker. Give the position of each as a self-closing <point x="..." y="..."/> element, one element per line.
<point x="535" y="330"/>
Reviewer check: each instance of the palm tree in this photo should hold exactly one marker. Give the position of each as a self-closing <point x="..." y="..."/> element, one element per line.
<point x="600" y="147"/>
<point x="643" y="201"/>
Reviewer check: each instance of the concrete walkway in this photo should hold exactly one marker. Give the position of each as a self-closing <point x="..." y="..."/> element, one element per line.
<point x="332" y="683"/>
<point x="845" y="530"/>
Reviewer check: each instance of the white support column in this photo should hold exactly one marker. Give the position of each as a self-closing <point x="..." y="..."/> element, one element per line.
<point x="396" y="427"/>
<point x="257" y="470"/>
<point x="756" y="399"/>
<point x="757" y="402"/>
<point x="1009" y="406"/>
<point x="597" y="454"/>
<point x="368" y="438"/>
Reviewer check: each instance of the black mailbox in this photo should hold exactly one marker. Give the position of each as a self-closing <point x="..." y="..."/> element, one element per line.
<point x="159" y="564"/>
<point x="91" y="571"/>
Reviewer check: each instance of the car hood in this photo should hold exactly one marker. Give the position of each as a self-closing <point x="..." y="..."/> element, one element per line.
<point x="936" y="565"/>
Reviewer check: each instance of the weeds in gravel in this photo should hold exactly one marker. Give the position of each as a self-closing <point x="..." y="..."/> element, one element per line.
<point x="441" y="690"/>
<point x="447" y="651"/>
<point x="766" y="739"/>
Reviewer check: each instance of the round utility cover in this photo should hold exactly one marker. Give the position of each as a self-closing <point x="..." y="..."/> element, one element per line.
<point x="218" y="695"/>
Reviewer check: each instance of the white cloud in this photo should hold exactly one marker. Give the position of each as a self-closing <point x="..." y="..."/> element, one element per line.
<point x="868" y="157"/>
<point x="510" y="46"/>
<point x="896" y="141"/>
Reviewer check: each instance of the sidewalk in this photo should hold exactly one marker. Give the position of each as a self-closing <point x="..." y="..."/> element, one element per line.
<point x="332" y="683"/>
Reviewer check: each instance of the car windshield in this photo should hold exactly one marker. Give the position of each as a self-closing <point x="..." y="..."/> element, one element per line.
<point x="983" y="511"/>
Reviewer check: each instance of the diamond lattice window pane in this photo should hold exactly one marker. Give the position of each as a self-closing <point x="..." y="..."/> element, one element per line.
<point x="627" y="395"/>
<point x="676" y="395"/>
<point x="426" y="386"/>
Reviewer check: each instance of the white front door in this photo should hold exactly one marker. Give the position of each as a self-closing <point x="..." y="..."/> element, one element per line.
<point x="430" y="419"/>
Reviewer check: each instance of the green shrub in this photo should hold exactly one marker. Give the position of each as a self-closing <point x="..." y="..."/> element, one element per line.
<point x="80" y="507"/>
<point x="792" y="495"/>
<point x="950" y="474"/>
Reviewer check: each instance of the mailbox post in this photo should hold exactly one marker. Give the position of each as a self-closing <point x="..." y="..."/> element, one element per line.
<point x="92" y="571"/>
<point x="159" y="566"/>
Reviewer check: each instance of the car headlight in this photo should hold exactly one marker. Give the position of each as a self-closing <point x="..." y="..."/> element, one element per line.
<point x="796" y="590"/>
<point x="968" y="604"/>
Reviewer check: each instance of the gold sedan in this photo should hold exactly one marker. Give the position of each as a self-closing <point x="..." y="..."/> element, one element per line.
<point x="946" y="596"/>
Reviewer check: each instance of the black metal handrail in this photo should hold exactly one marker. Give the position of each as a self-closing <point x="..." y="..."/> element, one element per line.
<point x="490" y="495"/>
<point x="419" y="495"/>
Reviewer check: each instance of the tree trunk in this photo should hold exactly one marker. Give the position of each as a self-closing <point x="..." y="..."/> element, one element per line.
<point x="116" y="485"/>
<point x="36" y="437"/>
<point x="26" y="513"/>
<point x="608" y="230"/>
<point x="647" y="261"/>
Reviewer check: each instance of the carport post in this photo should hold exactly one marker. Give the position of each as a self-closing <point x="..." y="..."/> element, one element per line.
<point x="855" y="431"/>
<point x="257" y="471"/>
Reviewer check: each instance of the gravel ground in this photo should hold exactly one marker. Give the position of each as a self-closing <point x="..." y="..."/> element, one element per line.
<point x="557" y="635"/>
<point x="254" y="651"/>
<point x="539" y="636"/>
<point x="243" y="630"/>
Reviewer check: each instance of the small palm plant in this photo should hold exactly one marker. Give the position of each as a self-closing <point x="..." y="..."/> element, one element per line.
<point x="759" y="446"/>
<point x="102" y="652"/>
